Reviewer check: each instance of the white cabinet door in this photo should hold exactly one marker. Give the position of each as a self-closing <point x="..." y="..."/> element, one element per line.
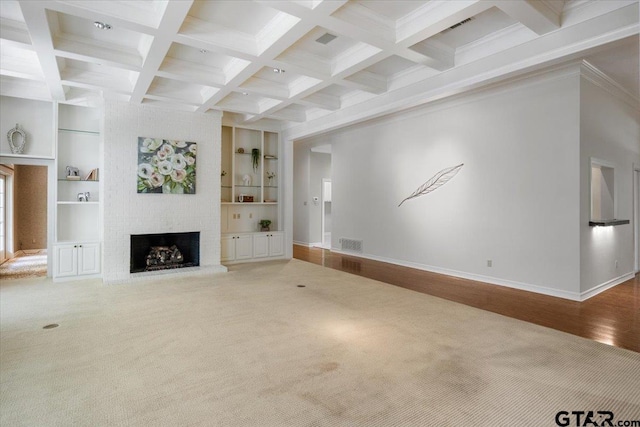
<point x="244" y="247"/>
<point x="260" y="245"/>
<point x="66" y="261"/>
<point x="227" y="248"/>
<point x="88" y="258"/>
<point x="276" y="244"/>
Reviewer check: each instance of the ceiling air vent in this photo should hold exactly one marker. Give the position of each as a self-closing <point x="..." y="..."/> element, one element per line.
<point x="326" y="38"/>
<point x="454" y="26"/>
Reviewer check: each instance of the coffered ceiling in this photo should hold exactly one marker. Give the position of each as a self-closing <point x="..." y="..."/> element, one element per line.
<point x="289" y="63"/>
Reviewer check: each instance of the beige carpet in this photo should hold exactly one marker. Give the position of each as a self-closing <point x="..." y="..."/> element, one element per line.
<point x="250" y="348"/>
<point x="33" y="263"/>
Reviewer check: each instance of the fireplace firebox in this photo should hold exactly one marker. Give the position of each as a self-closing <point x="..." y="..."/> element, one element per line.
<point x="152" y="252"/>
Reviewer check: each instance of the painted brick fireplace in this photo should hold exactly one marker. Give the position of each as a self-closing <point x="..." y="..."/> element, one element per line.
<point x="128" y="213"/>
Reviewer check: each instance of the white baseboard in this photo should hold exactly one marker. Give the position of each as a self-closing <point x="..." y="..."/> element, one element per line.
<point x="574" y="296"/>
<point x="606" y="285"/>
<point x="306" y="244"/>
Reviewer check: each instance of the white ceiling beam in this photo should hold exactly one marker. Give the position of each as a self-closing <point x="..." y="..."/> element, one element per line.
<point x="21" y="88"/>
<point x="88" y="10"/>
<point x="435" y="54"/>
<point x="269" y="55"/>
<point x="69" y="48"/>
<point x="321" y="100"/>
<point x="289" y="115"/>
<point x="191" y="73"/>
<point x="571" y="42"/>
<point x="116" y="10"/>
<point x="536" y="15"/>
<point x="172" y="19"/>
<point x="265" y="87"/>
<point x="434" y="17"/>
<point x="35" y="16"/>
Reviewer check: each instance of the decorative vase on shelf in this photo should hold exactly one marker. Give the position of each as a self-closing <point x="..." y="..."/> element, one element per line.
<point x="17" y="139"/>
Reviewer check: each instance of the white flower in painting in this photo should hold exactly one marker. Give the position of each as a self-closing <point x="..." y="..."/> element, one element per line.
<point x="190" y="160"/>
<point x="149" y="145"/>
<point x="192" y="149"/>
<point x="176" y="143"/>
<point x="178" y="162"/>
<point x="156" y="180"/>
<point x="167" y="148"/>
<point x="162" y="155"/>
<point x="164" y="167"/>
<point x="145" y="170"/>
<point x="155" y="160"/>
<point x="178" y="175"/>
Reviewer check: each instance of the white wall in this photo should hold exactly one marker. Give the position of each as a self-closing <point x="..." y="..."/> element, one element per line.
<point x="35" y="118"/>
<point x="126" y="212"/>
<point x="301" y="170"/>
<point x="609" y="131"/>
<point x="515" y="202"/>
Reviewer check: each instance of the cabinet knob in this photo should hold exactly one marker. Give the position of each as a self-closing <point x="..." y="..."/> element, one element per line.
<point x="79" y="246"/>
<point x="75" y="246"/>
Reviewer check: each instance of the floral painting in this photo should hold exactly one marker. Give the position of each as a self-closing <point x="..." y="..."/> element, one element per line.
<point x="166" y="166"/>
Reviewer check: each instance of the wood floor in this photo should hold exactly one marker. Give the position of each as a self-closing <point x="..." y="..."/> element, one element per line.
<point x="612" y="317"/>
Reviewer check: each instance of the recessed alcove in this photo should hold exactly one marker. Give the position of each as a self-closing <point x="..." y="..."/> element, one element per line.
<point x="142" y="245"/>
<point x="603" y="195"/>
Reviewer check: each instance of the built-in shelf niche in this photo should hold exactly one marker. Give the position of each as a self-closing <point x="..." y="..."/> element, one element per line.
<point x="603" y="195"/>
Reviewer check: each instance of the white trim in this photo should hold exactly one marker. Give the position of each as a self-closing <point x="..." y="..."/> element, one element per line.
<point x="604" y="286"/>
<point x="594" y="161"/>
<point x="450" y="99"/>
<point x="574" y="296"/>
<point x="636" y="217"/>
<point x="613" y="88"/>
<point x="76" y="278"/>
<point x="305" y="244"/>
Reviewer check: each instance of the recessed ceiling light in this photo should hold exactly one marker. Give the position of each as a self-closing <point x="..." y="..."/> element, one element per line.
<point x="102" y="25"/>
<point x="204" y="51"/>
<point x="278" y="70"/>
<point x="245" y="93"/>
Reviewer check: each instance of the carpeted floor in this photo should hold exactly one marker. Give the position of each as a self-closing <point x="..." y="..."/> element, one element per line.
<point x="30" y="264"/>
<point x="251" y="348"/>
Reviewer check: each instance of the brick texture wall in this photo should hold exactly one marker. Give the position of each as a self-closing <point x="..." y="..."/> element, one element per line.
<point x="126" y="212"/>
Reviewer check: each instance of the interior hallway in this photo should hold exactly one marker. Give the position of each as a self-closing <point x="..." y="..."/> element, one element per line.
<point x="612" y="317"/>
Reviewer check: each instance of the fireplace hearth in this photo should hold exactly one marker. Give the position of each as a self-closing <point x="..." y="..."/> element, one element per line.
<point x="153" y="252"/>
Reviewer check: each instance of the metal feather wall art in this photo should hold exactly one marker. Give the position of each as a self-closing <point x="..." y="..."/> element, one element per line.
<point x="435" y="182"/>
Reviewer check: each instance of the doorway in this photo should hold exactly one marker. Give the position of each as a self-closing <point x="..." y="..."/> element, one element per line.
<point x="636" y="217"/>
<point x="3" y="218"/>
<point x="326" y="213"/>
<point x="24" y="220"/>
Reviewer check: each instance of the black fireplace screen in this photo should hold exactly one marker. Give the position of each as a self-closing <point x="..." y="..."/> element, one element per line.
<point x="151" y="252"/>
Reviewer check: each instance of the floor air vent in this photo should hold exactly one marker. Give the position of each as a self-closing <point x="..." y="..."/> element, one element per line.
<point x="351" y="245"/>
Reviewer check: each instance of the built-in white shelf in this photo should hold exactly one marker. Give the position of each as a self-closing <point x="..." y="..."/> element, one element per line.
<point x="87" y="132"/>
<point x="26" y="156"/>
<point x="78" y="203"/>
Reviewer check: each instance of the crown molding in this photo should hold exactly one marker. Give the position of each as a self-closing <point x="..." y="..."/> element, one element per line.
<point x="603" y="81"/>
